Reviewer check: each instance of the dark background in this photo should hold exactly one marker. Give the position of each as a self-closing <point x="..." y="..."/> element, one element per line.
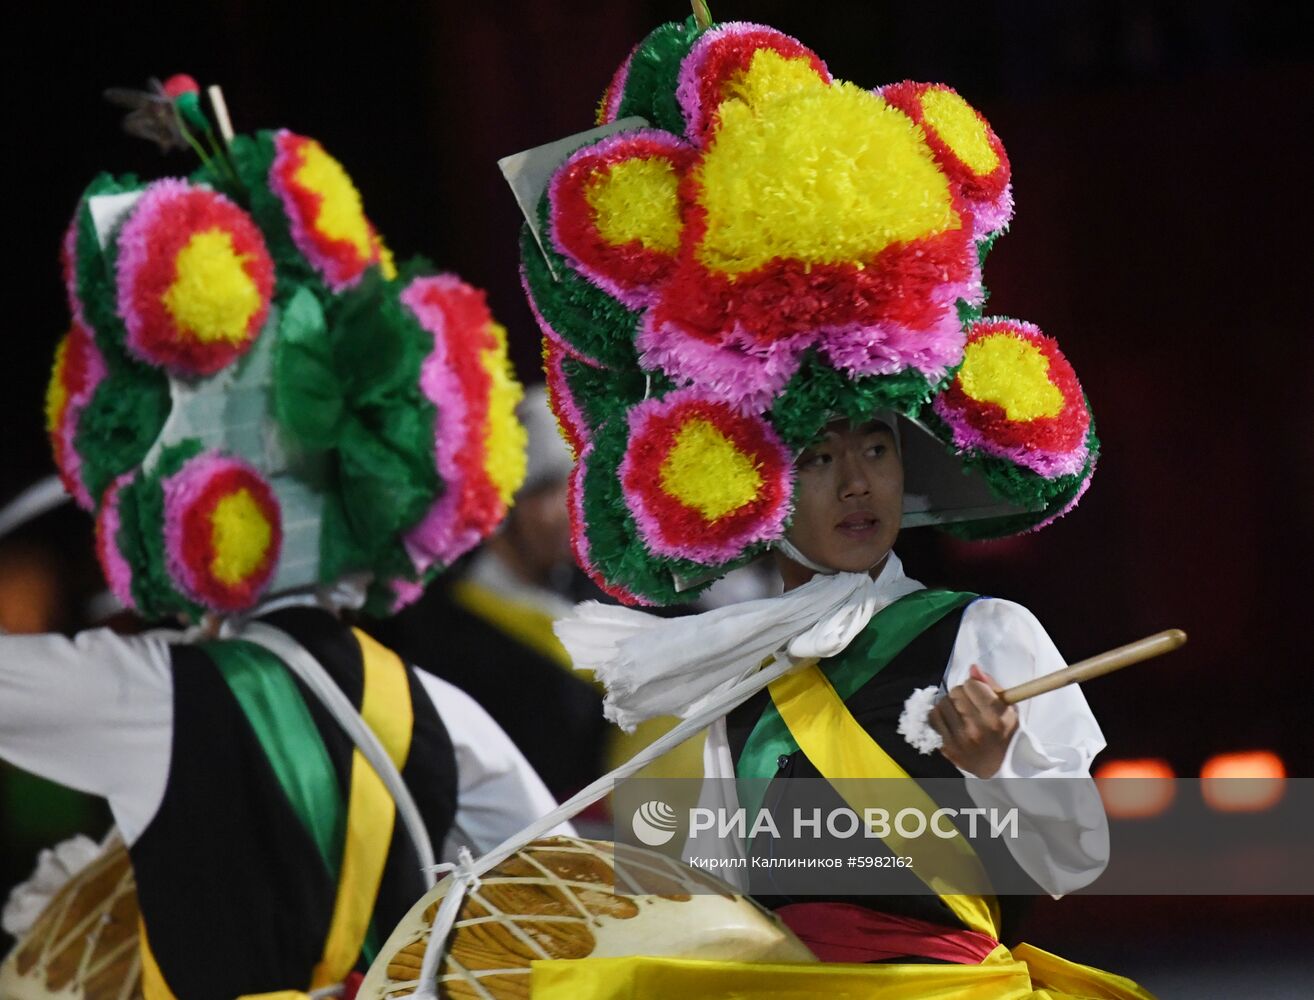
<point x="1162" y="169"/>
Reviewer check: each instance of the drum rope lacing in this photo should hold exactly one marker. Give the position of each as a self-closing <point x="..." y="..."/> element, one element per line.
<point x="466" y="872"/>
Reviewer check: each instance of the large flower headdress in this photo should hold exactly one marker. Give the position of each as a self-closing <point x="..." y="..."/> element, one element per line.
<point x="253" y="398"/>
<point x="768" y="249"/>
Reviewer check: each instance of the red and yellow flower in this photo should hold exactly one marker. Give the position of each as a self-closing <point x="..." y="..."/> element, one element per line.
<point x="965" y="146"/>
<point x="795" y="211"/>
<point x="223" y="531"/>
<point x="324" y="212"/>
<point x="194" y="279"/>
<point x="702" y="480"/>
<point x="78" y="369"/>
<point x="479" y="445"/>
<point x="1017" y="397"/>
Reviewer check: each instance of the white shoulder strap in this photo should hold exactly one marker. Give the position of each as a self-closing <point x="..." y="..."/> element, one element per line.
<point x="312" y="673"/>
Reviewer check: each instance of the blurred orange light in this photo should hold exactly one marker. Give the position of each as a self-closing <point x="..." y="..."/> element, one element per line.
<point x="1249" y="781"/>
<point x="1135" y="789"/>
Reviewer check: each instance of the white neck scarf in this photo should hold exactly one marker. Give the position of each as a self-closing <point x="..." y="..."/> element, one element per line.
<point x="655" y="666"/>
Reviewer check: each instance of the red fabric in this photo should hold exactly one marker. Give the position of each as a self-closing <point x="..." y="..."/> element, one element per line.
<point x="351" y="985"/>
<point x="843" y="932"/>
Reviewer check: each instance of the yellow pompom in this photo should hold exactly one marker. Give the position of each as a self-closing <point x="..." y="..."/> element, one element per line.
<point x="821" y="174"/>
<point x="387" y="262"/>
<point x="771" y="75"/>
<point x="212" y="296"/>
<point x="957" y="123"/>
<point x="56" y="390"/>
<point x="341" y="215"/>
<point x="706" y="471"/>
<point x="1011" y="373"/>
<point x="240" y="533"/>
<point x="637" y="200"/>
<point x="505" y="439"/>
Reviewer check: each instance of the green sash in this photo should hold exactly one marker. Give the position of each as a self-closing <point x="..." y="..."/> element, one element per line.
<point x="886" y="636"/>
<point x="272" y="703"/>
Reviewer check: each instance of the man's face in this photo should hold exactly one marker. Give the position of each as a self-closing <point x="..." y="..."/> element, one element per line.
<point x="849" y="497"/>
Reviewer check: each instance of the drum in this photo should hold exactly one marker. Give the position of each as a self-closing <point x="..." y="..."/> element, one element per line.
<point x="83" y="946"/>
<point x="562" y="897"/>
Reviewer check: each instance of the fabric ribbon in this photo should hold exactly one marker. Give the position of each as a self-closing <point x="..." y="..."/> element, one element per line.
<point x="655" y="666"/>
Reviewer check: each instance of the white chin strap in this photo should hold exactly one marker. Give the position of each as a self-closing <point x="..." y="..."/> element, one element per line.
<point x="791" y="552"/>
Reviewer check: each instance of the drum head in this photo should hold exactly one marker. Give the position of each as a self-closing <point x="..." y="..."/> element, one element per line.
<point x="561" y="898"/>
<point x="84" y="944"/>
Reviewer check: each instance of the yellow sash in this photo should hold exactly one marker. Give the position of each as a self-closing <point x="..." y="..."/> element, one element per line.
<point x="843" y="751"/>
<point x="525" y="623"/>
<point x="1002" y="976"/>
<point x="386" y="709"/>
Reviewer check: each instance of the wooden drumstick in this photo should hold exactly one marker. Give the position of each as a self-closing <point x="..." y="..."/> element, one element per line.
<point x="1097" y="666"/>
<point x="917" y="730"/>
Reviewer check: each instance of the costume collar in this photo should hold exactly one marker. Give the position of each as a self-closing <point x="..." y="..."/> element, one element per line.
<point x="655" y="666"/>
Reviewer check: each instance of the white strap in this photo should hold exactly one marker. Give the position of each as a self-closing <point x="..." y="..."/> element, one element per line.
<point x="312" y="673"/>
<point x="43" y="495"/>
<point x="793" y="552"/>
<point x="468" y="871"/>
<point x="464" y="880"/>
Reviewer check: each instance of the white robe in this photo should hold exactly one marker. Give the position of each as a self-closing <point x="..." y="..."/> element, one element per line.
<point x="1063" y="841"/>
<point x="95" y="712"/>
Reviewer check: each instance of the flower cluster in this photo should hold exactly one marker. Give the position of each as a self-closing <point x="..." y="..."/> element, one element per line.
<point x="79" y="369"/>
<point x="479" y="445"/>
<point x="250" y="395"/>
<point x="791" y="211"/>
<point x="776" y="249"/>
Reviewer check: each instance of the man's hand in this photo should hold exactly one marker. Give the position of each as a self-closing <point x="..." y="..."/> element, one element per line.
<point x="975" y="724"/>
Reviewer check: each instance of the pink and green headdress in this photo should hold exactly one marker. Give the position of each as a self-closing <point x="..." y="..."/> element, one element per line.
<point x="252" y="398"/>
<point x="746" y="249"/>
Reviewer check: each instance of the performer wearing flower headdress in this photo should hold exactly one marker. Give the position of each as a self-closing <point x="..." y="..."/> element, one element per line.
<point x="271" y="422"/>
<point x="488" y="628"/>
<point x="761" y="295"/>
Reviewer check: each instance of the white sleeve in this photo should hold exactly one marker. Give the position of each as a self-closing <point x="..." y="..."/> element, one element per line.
<point x="1063" y="840"/>
<point x="498" y="792"/>
<point x="94" y="712"/>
